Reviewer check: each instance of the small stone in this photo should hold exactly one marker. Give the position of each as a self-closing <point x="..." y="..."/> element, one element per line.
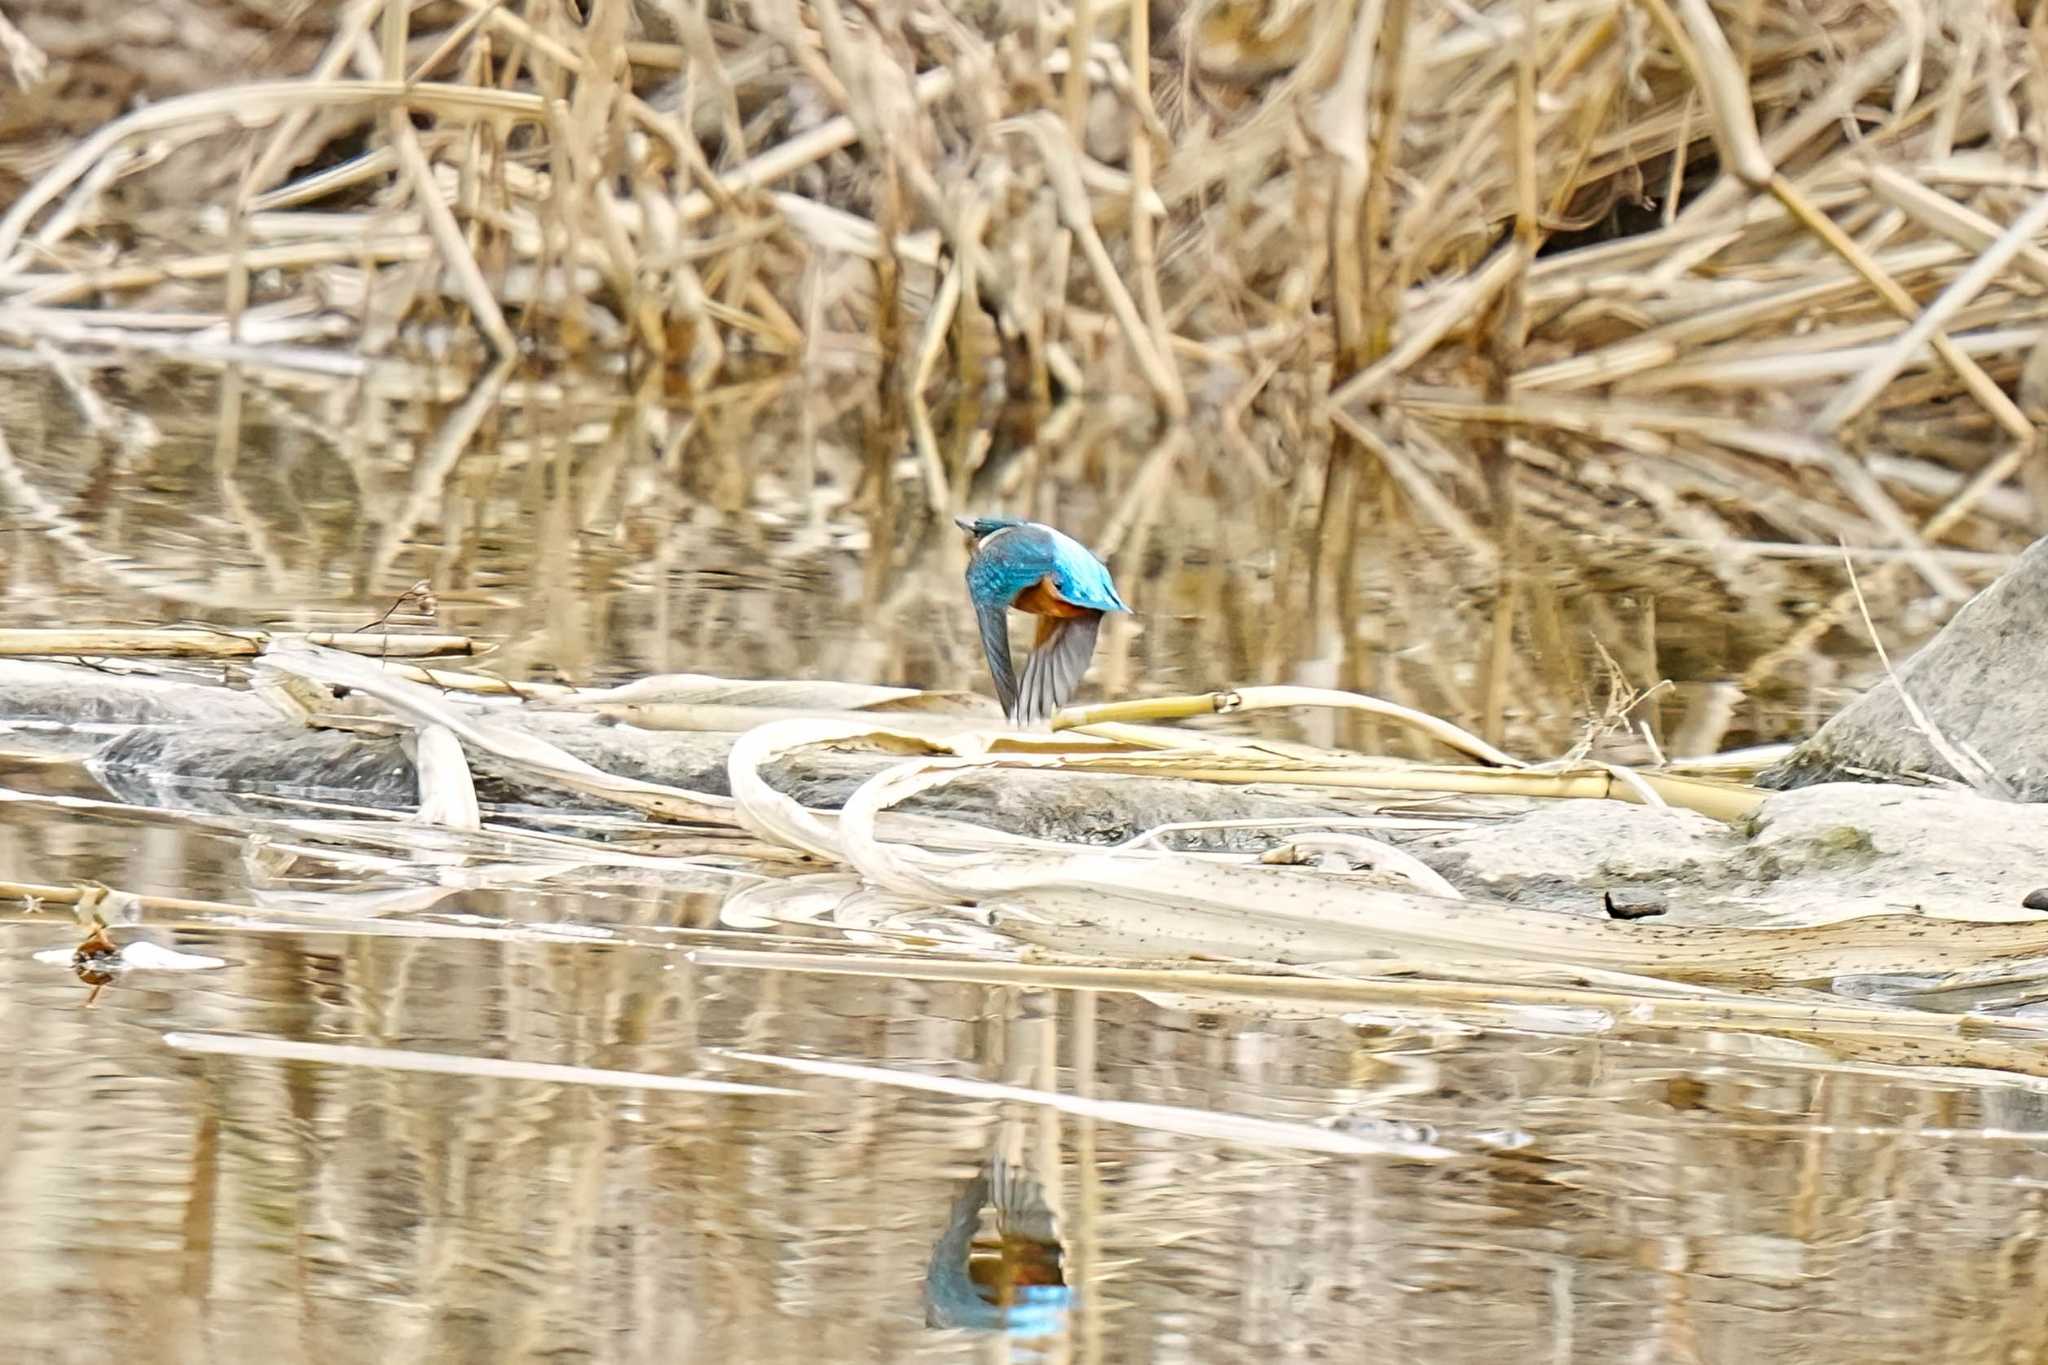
<point x="2036" y="900"/>
<point x="1634" y="904"/>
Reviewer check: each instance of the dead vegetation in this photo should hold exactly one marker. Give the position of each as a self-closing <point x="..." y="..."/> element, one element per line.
<point x="1339" y="906"/>
<point x="1597" y="314"/>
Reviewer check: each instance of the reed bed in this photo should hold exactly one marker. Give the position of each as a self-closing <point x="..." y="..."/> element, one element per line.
<point x="1474" y="286"/>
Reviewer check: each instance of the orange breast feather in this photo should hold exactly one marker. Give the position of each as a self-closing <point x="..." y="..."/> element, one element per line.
<point x="1043" y="599"/>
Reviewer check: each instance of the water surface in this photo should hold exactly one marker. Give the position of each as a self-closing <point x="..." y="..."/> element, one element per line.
<point x="1606" y="1193"/>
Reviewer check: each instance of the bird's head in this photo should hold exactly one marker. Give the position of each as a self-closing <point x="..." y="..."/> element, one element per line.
<point x="981" y="528"/>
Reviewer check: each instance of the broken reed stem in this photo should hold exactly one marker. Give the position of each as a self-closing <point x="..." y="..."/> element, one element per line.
<point x="26" y="62"/>
<point x="1979" y="384"/>
<point x="1506" y="316"/>
<point x="220" y="108"/>
<point x="1270" y="698"/>
<point x="1724" y="801"/>
<point x="1810" y="632"/>
<point x="1856" y="396"/>
<point x="1143" y="256"/>
<point x="90" y="900"/>
<point x="1074" y="86"/>
<point x="184" y="643"/>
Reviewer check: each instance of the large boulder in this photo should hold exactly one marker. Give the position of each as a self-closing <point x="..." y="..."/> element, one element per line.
<point x="1980" y="684"/>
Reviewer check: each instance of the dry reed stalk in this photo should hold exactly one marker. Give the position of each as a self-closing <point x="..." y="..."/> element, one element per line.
<point x="174" y="643"/>
<point x="25" y="60"/>
<point x="1393" y="265"/>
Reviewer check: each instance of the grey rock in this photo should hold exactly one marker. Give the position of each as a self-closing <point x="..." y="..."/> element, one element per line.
<point x="1978" y="681"/>
<point x="240" y="769"/>
<point x="66" y="710"/>
<point x="1564" y="854"/>
<point x="1872" y="847"/>
<point x="1821" y="852"/>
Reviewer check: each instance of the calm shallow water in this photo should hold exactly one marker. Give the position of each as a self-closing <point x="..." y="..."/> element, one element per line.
<point x="1614" y="1196"/>
<point x="1611" y="1194"/>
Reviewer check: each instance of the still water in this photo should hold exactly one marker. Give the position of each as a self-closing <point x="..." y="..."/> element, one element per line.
<point x="1581" y="1190"/>
<point x="1611" y="1195"/>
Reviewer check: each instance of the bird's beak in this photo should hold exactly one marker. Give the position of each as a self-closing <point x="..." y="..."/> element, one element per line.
<point x="965" y="523"/>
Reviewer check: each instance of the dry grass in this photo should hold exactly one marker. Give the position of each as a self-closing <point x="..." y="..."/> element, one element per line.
<point x="1509" y="275"/>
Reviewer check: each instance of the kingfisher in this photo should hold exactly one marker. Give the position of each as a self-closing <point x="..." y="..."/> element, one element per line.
<point x="1013" y="1279"/>
<point x="1030" y="567"/>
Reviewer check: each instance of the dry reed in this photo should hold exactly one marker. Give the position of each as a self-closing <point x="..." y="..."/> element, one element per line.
<point x="1510" y="276"/>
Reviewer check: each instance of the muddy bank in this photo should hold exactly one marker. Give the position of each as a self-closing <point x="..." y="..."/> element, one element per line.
<point x="1850" y="848"/>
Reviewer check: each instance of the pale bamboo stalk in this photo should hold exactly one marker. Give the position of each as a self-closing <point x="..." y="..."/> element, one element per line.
<point x="1268" y="698"/>
<point x="185" y="643"/>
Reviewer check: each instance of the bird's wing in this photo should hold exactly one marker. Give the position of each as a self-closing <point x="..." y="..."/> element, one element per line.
<point x="995" y="642"/>
<point x="1022" y="1209"/>
<point x="1056" y="663"/>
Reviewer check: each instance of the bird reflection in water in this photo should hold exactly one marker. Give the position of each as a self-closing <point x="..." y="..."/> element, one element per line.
<point x="1003" y="1274"/>
<point x="94" y="960"/>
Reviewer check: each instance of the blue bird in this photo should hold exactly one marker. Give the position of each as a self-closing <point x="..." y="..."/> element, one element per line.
<point x="1028" y="567"/>
<point x="1013" y="1281"/>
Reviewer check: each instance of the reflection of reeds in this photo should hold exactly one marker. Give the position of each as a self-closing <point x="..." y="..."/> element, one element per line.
<point x="1390" y="284"/>
<point x="567" y="1178"/>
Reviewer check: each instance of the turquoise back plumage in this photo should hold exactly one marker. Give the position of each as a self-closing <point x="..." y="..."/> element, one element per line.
<point x="1018" y="554"/>
<point x="1011" y="558"/>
